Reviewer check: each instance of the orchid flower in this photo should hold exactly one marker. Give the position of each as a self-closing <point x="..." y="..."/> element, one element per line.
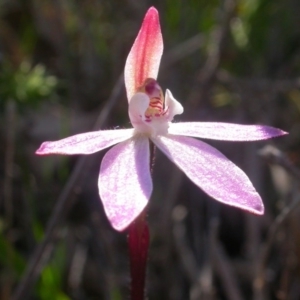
<point x="125" y="183"/>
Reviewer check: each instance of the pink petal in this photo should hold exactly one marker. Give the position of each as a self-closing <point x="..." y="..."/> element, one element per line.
<point x="144" y="57"/>
<point x="225" y="131"/>
<point x="212" y="172"/>
<point x="85" y="143"/>
<point x="125" y="183"/>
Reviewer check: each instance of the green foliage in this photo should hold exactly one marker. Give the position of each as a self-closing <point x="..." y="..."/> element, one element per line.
<point x="28" y="85"/>
<point x="50" y="283"/>
<point x="10" y="258"/>
<point x="184" y="17"/>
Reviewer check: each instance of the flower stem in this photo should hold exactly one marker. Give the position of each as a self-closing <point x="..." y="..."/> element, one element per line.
<point x="138" y="242"/>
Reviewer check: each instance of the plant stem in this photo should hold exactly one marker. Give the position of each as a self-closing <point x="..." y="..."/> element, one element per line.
<point x="138" y="242"/>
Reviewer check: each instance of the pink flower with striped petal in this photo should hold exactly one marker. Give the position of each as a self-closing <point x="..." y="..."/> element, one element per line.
<point x="125" y="183"/>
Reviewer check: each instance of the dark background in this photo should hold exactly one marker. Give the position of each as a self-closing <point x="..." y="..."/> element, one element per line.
<point x="61" y="64"/>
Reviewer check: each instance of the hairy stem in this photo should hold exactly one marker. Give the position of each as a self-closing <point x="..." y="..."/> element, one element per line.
<point x="138" y="242"/>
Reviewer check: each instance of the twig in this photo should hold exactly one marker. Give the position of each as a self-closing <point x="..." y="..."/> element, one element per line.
<point x="209" y="70"/>
<point x="275" y="156"/>
<point x="259" y="281"/>
<point x="174" y="185"/>
<point x="262" y="84"/>
<point x="77" y="266"/>
<point x="182" y="50"/>
<point x="200" y="279"/>
<point x="8" y="198"/>
<point x="207" y="74"/>
<point x="9" y="161"/>
<point x="222" y="265"/>
<point x="254" y="168"/>
<point x="186" y="256"/>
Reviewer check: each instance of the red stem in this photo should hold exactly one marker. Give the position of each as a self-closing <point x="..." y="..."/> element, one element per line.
<point x="138" y="242"/>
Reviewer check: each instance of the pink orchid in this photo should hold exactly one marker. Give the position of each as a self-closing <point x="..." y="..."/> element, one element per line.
<point x="125" y="183"/>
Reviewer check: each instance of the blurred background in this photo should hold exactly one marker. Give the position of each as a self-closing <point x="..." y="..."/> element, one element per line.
<point x="61" y="66"/>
